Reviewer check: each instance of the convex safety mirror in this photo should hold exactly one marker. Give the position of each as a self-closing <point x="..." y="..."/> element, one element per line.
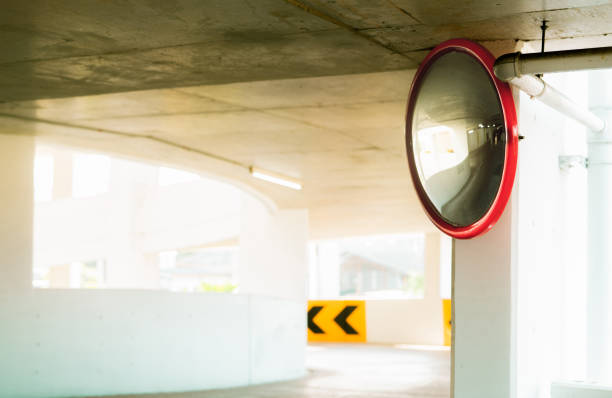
<point x="461" y="138"/>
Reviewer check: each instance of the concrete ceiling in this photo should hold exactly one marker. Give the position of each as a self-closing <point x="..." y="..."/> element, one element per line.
<point x="66" y="48"/>
<point x="342" y="136"/>
<point x="314" y="89"/>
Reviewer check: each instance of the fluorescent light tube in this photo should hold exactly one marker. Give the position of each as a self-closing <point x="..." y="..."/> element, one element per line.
<point x="275" y="178"/>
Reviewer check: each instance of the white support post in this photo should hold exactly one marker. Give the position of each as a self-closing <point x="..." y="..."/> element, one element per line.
<point x="573" y="235"/>
<point x="17" y="207"/>
<point x="273" y="251"/>
<point x="483" y="314"/>
<point x="507" y="283"/>
<point x="599" y="299"/>
<point x="432" y="268"/>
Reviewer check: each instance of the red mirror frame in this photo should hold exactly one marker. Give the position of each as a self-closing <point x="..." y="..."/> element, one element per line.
<point x="504" y="93"/>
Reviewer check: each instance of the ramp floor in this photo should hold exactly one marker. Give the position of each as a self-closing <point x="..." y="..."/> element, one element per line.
<point x="352" y="371"/>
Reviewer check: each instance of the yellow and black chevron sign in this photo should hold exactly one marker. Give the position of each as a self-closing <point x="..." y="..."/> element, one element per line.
<point x="336" y="320"/>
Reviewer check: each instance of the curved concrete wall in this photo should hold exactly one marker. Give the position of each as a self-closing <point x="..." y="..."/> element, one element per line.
<point x="58" y="343"/>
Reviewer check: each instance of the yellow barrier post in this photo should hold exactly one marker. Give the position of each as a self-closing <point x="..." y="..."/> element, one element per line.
<point x="447" y="319"/>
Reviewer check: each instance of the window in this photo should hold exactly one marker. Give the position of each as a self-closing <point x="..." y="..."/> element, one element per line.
<point x="43" y="177"/>
<point x="77" y="275"/>
<point x="374" y="266"/>
<point x="121" y="229"/>
<point x="91" y="175"/>
<point x="204" y="270"/>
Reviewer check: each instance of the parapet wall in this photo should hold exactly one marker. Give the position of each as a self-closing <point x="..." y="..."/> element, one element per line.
<point x="58" y="343"/>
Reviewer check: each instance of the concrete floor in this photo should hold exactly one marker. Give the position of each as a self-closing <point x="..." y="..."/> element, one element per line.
<point x="352" y="370"/>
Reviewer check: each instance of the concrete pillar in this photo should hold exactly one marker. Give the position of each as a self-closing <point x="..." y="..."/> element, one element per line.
<point x="508" y="282"/>
<point x="446" y="264"/>
<point x="127" y="266"/>
<point x="482" y="314"/>
<point x="128" y="269"/>
<point x="432" y="266"/>
<point x="16" y="206"/>
<point x="538" y="268"/>
<point x="328" y="276"/>
<point x="573" y="239"/>
<point x="599" y="279"/>
<point x="273" y="251"/>
<point x="62" y="174"/>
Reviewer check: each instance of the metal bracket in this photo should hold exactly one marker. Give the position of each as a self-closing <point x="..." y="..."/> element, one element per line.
<point x="567" y="162"/>
<point x="543" y="27"/>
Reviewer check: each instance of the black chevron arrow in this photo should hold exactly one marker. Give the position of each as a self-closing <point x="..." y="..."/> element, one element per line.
<point x="341" y="319"/>
<point x="312" y="312"/>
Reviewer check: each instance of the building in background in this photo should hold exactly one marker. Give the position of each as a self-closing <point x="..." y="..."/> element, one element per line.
<point x="126" y="224"/>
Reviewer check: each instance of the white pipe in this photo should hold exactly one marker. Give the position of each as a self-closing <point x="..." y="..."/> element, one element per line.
<point x="518" y="69"/>
<point x="538" y="88"/>
<point x="512" y="65"/>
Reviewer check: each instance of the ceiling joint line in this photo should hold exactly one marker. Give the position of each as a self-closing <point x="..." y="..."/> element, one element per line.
<point x="129" y="135"/>
<point x="270" y="112"/>
<point x="337" y="22"/>
<point x="404" y="11"/>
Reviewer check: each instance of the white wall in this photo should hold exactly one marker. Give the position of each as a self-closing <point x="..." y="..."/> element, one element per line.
<point x="411" y="321"/>
<point x="58" y="343"/>
<point x="273" y="251"/>
<point x="277" y="339"/>
<point x="539" y="268"/>
<point x="416" y="322"/>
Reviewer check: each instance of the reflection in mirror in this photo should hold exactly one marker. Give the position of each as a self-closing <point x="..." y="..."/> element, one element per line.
<point x="458" y="138"/>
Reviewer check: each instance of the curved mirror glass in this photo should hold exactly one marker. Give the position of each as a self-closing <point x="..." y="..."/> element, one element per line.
<point x="459" y="138"/>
